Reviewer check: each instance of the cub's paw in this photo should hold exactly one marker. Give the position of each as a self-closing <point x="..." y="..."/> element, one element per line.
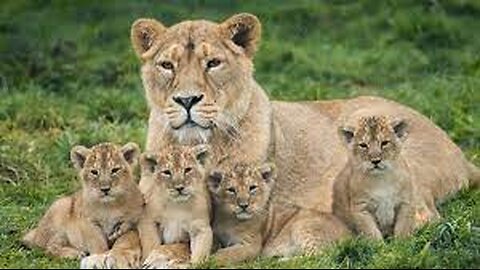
<point x="158" y="260"/>
<point x="95" y="261"/>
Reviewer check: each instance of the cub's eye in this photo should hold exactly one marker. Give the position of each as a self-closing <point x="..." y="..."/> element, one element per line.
<point x="385" y="143"/>
<point x="363" y="145"/>
<point x="187" y="170"/>
<point x="231" y="190"/>
<point x="215" y="62"/>
<point x="167" y="172"/>
<point x="166" y="65"/>
<point x="94" y="172"/>
<point x="253" y="188"/>
<point x="116" y="170"/>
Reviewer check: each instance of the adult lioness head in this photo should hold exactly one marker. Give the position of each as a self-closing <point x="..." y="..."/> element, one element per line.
<point x="198" y="74"/>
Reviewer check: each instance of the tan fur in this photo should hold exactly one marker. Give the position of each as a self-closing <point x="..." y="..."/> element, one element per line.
<point x="90" y="221"/>
<point x="246" y="223"/>
<point x="374" y="193"/>
<point x="172" y="216"/>
<point x="235" y="116"/>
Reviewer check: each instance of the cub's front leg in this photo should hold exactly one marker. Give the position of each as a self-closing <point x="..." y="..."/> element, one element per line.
<point x="92" y="237"/>
<point x="364" y="222"/>
<point x="239" y="252"/>
<point x="405" y="220"/>
<point x="149" y="235"/>
<point x="120" y="229"/>
<point x="201" y="239"/>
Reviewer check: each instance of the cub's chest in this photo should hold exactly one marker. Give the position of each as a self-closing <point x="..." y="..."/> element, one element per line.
<point x="109" y="220"/>
<point x="383" y="200"/>
<point x="175" y="230"/>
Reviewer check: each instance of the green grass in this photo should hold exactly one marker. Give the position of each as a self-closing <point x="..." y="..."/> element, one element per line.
<point x="68" y="76"/>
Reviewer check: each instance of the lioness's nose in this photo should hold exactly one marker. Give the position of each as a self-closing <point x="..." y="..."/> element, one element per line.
<point x="188" y="102"/>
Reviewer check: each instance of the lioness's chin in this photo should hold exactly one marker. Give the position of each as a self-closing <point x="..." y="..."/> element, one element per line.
<point x="189" y="134"/>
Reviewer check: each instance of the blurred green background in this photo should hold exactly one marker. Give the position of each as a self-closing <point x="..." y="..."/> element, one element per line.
<point x="69" y="76"/>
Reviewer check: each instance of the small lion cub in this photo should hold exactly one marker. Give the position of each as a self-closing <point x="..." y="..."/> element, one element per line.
<point x="374" y="193"/>
<point x="242" y="209"/>
<point x="177" y="205"/>
<point x="102" y="213"/>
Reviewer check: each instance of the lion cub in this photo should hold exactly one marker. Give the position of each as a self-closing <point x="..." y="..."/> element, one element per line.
<point x="374" y="193"/>
<point x="241" y="203"/>
<point x="99" y="216"/>
<point x="177" y="206"/>
<point x="247" y="223"/>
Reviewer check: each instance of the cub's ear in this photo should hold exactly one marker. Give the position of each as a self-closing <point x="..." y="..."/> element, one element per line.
<point x="202" y="154"/>
<point x="130" y="152"/>
<point x="400" y="127"/>
<point x="244" y="30"/>
<point x="148" y="162"/>
<point x="78" y="155"/>
<point x="346" y="134"/>
<point x="145" y="34"/>
<point x="214" y="179"/>
<point x="268" y="172"/>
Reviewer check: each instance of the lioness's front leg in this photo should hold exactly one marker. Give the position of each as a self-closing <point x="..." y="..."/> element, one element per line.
<point x="201" y="238"/>
<point x="238" y="252"/>
<point x="405" y="220"/>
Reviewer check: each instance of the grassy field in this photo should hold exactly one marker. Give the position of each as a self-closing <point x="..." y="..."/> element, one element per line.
<point x="68" y="76"/>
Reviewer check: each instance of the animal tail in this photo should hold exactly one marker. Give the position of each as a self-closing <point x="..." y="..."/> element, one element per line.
<point x="474" y="178"/>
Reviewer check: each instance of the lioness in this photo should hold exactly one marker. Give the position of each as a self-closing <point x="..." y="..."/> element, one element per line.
<point x="246" y="223"/>
<point x="374" y="194"/>
<point x="178" y="205"/>
<point x="101" y="216"/>
<point x="199" y="84"/>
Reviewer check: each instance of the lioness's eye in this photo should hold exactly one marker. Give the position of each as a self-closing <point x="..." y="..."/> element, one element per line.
<point x="94" y="172"/>
<point x="115" y="170"/>
<point x="215" y="62"/>
<point x="385" y="143"/>
<point x="231" y="190"/>
<point x="253" y="188"/>
<point x="363" y="145"/>
<point x="166" y="65"/>
<point x="167" y="173"/>
<point x="187" y="170"/>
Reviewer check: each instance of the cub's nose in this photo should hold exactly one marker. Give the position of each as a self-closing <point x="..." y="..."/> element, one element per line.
<point x="105" y="190"/>
<point x="180" y="189"/>
<point x="187" y="102"/>
<point x="376" y="161"/>
<point x="243" y="205"/>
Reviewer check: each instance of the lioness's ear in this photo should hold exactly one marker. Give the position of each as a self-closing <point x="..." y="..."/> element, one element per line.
<point x="244" y="30"/>
<point x="268" y="172"/>
<point x="148" y="162"/>
<point x="346" y="133"/>
<point x="78" y="155"/>
<point x="145" y="34"/>
<point x="202" y="153"/>
<point x="400" y="127"/>
<point x="214" y="179"/>
<point x="130" y="152"/>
